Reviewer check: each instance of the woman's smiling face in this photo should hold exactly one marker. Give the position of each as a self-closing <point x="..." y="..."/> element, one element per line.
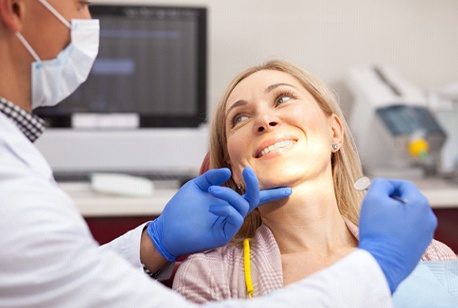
<point x="274" y="125"/>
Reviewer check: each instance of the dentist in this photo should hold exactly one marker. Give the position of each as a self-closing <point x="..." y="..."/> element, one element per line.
<point x="47" y="255"/>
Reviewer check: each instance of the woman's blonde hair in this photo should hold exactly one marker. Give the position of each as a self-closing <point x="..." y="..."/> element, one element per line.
<point x="346" y="166"/>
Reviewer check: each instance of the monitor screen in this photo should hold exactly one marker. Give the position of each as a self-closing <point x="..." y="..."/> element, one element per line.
<point x="150" y="70"/>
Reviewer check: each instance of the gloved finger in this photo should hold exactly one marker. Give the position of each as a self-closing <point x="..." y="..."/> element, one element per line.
<point x="227" y="211"/>
<point x="255" y="197"/>
<point x="231" y="197"/>
<point x="380" y="187"/>
<point x="398" y="189"/>
<point x="252" y="187"/>
<point x="212" y="177"/>
<point x="407" y="190"/>
<point x="409" y="193"/>
<point x="233" y="219"/>
<point x="274" y="194"/>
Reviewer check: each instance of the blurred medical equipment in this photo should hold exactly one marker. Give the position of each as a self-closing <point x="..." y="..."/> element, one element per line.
<point x="444" y="102"/>
<point x="395" y="132"/>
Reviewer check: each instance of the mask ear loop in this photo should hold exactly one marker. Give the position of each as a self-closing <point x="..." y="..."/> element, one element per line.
<point x="58" y="16"/>
<point x="55" y="13"/>
<point x="28" y="47"/>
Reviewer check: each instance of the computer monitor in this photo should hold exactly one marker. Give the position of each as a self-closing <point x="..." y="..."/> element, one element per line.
<point x="143" y="106"/>
<point x="151" y="63"/>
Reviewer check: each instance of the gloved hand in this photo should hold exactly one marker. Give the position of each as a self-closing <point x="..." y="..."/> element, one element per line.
<point x="396" y="232"/>
<point x="203" y="215"/>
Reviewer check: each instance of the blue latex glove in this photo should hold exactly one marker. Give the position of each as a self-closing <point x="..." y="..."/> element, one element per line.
<point x="396" y="233"/>
<point x="203" y="215"/>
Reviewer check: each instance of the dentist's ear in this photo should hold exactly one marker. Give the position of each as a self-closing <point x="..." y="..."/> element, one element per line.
<point x="11" y="14"/>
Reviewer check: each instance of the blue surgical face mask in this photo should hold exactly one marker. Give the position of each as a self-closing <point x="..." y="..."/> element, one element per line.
<point x="53" y="80"/>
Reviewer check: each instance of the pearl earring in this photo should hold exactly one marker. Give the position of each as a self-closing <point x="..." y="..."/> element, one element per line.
<point x="335" y="146"/>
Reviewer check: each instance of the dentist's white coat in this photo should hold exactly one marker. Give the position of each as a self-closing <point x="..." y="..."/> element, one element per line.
<point x="48" y="257"/>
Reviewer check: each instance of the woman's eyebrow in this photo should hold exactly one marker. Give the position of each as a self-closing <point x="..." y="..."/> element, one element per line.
<point x="276" y="85"/>
<point x="267" y="90"/>
<point x="236" y="104"/>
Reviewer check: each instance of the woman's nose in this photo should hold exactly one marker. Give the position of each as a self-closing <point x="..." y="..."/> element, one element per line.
<point x="266" y="122"/>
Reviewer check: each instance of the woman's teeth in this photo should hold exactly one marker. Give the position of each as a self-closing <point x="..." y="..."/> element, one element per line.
<point x="278" y="145"/>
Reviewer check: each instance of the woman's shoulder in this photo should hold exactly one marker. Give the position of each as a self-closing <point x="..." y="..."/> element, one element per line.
<point x="209" y="275"/>
<point x="438" y="251"/>
<point x="264" y="241"/>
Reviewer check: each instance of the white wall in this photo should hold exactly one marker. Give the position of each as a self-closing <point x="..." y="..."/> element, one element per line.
<point x="420" y="37"/>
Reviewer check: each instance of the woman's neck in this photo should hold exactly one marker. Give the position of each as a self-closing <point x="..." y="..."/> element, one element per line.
<point x="309" y="221"/>
<point x="309" y="230"/>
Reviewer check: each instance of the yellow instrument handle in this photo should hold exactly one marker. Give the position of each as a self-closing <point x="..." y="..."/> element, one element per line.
<point x="247" y="267"/>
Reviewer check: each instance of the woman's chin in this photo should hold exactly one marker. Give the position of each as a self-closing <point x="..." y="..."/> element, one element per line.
<point x="291" y="181"/>
<point x="273" y="184"/>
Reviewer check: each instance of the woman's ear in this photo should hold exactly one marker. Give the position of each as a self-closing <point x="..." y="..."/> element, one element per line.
<point x="337" y="130"/>
<point x="11" y="13"/>
<point x="237" y="181"/>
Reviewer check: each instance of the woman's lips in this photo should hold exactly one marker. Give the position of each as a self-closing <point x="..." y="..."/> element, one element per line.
<point x="266" y="149"/>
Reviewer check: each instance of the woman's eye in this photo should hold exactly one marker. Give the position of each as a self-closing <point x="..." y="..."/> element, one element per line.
<point x="282" y="99"/>
<point x="238" y="118"/>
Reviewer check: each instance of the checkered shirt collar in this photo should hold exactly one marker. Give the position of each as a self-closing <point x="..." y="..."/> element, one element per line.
<point x="31" y="125"/>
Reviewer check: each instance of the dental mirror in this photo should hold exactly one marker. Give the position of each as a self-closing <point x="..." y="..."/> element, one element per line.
<point x="362" y="183"/>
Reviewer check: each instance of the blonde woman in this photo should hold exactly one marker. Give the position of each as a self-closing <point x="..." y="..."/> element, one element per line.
<point x="287" y="126"/>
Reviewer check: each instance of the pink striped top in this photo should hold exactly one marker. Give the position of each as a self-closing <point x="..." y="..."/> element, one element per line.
<point x="219" y="274"/>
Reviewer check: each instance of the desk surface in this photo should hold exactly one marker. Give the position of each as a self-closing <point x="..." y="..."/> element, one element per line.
<point x="440" y="194"/>
<point x="95" y="204"/>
